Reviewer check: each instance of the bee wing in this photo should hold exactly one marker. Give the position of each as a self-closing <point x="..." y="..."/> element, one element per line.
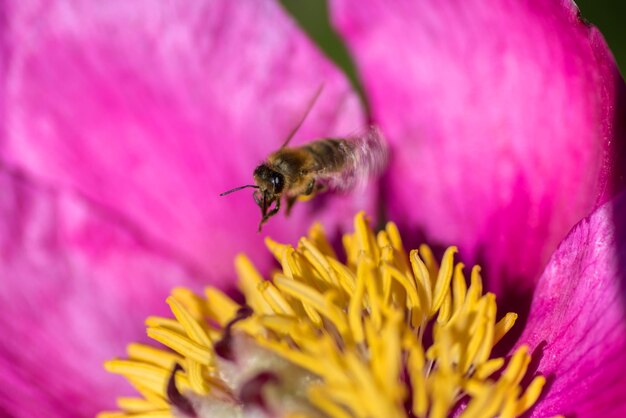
<point x="367" y="158"/>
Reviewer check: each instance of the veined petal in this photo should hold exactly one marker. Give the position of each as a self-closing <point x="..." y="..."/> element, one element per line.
<point x="579" y="313"/>
<point x="74" y="286"/>
<point x="502" y="119"/>
<point x="153" y="109"/>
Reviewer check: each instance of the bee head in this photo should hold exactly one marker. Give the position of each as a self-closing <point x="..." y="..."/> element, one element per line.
<point x="269" y="181"/>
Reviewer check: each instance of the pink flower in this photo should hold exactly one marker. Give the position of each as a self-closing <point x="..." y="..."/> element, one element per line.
<point x="506" y="114"/>
<point x="578" y="318"/>
<point x="124" y="122"/>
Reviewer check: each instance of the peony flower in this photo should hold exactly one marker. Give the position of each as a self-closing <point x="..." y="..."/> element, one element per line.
<point x="324" y="338"/>
<point x="123" y="122"/>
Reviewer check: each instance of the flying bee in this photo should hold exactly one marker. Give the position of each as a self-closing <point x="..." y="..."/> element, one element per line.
<point x="299" y="173"/>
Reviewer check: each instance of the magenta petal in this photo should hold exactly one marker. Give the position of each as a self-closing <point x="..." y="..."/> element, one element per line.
<point x="501" y="115"/>
<point x="152" y="110"/>
<point x="579" y="313"/>
<point x="75" y="289"/>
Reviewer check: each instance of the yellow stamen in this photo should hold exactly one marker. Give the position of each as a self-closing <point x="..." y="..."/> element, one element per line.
<point x="151" y="355"/>
<point x="135" y="405"/>
<point x="350" y="336"/>
<point x="220" y="307"/>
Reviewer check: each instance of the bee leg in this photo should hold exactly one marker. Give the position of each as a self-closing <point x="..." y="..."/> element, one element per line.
<point x="270" y="214"/>
<point x="273" y="211"/>
<point x="312" y="189"/>
<point x="291" y="200"/>
<point x="257" y="197"/>
<point x="309" y="188"/>
<point x="308" y="193"/>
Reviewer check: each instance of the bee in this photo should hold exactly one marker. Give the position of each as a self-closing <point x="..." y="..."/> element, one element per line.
<point x="300" y="173"/>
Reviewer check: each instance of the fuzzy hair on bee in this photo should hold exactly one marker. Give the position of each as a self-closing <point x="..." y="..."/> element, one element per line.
<point x="299" y="173"/>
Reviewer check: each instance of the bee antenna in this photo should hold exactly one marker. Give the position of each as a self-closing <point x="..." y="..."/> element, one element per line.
<point x="303" y="117"/>
<point x="236" y="189"/>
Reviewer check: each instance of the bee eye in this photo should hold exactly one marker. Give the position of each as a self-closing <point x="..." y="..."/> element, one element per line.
<point x="278" y="181"/>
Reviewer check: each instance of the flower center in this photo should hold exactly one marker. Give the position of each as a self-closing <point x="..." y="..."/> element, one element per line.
<point x="385" y="334"/>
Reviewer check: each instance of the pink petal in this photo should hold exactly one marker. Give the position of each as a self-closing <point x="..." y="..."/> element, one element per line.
<point x="502" y="118"/>
<point x="76" y="288"/>
<point x="579" y="313"/>
<point x="153" y="110"/>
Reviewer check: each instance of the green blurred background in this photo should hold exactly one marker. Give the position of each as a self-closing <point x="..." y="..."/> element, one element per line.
<point x="608" y="15"/>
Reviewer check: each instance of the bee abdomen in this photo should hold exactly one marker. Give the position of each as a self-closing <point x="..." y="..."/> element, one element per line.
<point x="329" y="154"/>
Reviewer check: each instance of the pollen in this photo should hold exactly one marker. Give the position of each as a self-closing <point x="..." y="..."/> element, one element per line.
<point x="384" y="334"/>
